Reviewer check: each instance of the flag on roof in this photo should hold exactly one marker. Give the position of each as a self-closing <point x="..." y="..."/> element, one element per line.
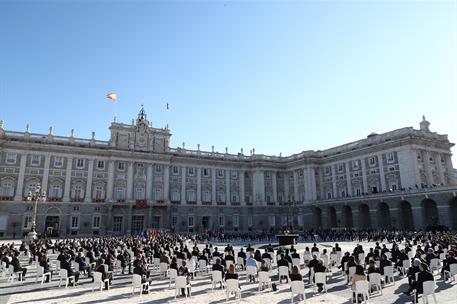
<point x="112" y="96"/>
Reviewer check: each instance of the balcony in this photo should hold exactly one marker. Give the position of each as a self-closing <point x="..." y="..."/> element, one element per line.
<point x="77" y="199"/>
<point x="160" y="202"/>
<point x="98" y="200"/>
<point x="176" y="202"/>
<point x="191" y="203"/>
<point x="207" y="203"/>
<point x="221" y="203"/>
<point x="6" y="198"/>
<point x="55" y="199"/>
<point x="141" y="203"/>
<point x="121" y="200"/>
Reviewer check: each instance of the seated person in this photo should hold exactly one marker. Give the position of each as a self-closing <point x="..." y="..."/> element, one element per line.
<point x="44" y="262"/>
<point x="99" y="267"/>
<point x="358" y="276"/>
<point x="319" y="268"/>
<point x="183" y="271"/>
<point x="295" y="275"/>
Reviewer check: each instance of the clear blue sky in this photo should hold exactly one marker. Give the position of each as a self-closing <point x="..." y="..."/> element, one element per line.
<point x="277" y="76"/>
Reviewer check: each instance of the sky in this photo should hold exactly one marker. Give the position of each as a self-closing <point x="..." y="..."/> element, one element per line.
<point x="280" y="77"/>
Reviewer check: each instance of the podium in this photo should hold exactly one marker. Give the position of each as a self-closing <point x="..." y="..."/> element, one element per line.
<point x="287" y="239"/>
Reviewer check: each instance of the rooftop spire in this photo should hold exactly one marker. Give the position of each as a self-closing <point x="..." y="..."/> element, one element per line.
<point x="142" y="114"/>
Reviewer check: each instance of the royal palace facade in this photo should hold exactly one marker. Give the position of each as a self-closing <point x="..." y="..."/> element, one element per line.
<point x="135" y="181"/>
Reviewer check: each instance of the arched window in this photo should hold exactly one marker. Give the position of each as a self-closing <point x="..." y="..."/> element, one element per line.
<point x="31" y="186"/>
<point x="77" y="191"/>
<point x="139" y="193"/>
<point x="7" y="188"/>
<point x="56" y="191"/>
<point x="120" y="192"/>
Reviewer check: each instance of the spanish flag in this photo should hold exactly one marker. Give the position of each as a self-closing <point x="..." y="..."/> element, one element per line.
<point x="112" y="96"/>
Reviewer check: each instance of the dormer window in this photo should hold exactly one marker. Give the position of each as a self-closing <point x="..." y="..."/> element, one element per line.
<point x="101" y="164"/>
<point x="35" y="160"/>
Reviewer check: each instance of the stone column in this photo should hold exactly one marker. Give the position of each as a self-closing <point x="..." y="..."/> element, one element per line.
<point x="183" y="185"/>
<point x="439" y="168"/>
<point x="381" y="173"/>
<point x="66" y="191"/>
<point x="149" y="182"/>
<point x="312" y="173"/>
<point x="227" y="187"/>
<point x="364" y="177"/>
<point x="90" y="175"/>
<point x="274" y="187"/>
<point x="286" y="186"/>
<point x="296" y="193"/>
<point x="213" y="185"/>
<point x="129" y="219"/>
<point x="348" y="179"/>
<point x="242" y="201"/>
<point x="428" y="170"/>
<point x="199" y="186"/>
<point x="335" y="190"/>
<point x="20" y="179"/>
<point x="109" y="220"/>
<point x="130" y="181"/>
<point x="44" y="183"/>
<point x="110" y="185"/>
<point x="449" y="168"/>
<point x="259" y="187"/>
<point x="166" y="183"/>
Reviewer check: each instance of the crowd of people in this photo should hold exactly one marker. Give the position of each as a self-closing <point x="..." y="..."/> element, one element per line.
<point x="412" y="253"/>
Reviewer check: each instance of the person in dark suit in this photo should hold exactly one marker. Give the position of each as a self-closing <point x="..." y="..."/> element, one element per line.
<point x="44" y="262"/>
<point x="17" y="265"/>
<point x="218" y="267"/>
<point x="283" y="261"/>
<point x="415" y="268"/>
<point x="141" y="270"/>
<point x="423" y="276"/>
<point x="83" y="266"/>
<point x="450" y="259"/>
<point x="99" y="267"/>
<point x="319" y="268"/>
<point x="184" y="271"/>
<point x="65" y="264"/>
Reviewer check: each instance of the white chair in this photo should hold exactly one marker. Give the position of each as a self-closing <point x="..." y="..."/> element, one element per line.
<point x="172" y="274"/>
<point x="389" y="274"/>
<point x="406" y="264"/>
<point x="410" y="254"/>
<point x="375" y="280"/>
<point x="296" y="262"/>
<point x="362" y="287"/>
<point x="264" y="279"/>
<point x="98" y="282"/>
<point x="240" y="262"/>
<point x="136" y="283"/>
<point x="118" y="267"/>
<point x="41" y="274"/>
<point x="297" y="288"/>
<point x="232" y="287"/>
<point x="228" y="263"/>
<point x="57" y="266"/>
<point x="388" y="255"/>
<point x="216" y="277"/>
<point x="63" y="274"/>
<point x="267" y="261"/>
<point x="14" y="275"/>
<point x="442" y="256"/>
<point x="163" y="269"/>
<point x="283" y="271"/>
<point x="429" y="290"/>
<point x="333" y="259"/>
<point x="156" y="262"/>
<point x="351" y="272"/>
<point x="435" y="265"/>
<point x="361" y="258"/>
<point x="75" y="266"/>
<point x="251" y="271"/>
<point x="320" y="278"/>
<point x="452" y="272"/>
<point x="202" y="266"/>
<point x="181" y="283"/>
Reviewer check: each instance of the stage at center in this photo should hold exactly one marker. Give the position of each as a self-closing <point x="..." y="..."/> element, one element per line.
<point x="287" y="239"/>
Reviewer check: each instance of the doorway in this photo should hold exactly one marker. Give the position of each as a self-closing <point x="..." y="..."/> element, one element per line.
<point x="205" y="222"/>
<point x="52" y="225"/>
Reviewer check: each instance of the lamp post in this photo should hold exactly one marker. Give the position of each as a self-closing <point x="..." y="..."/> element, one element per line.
<point x="35" y="197"/>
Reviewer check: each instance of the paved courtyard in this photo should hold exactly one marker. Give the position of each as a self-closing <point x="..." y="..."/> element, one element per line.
<point x="121" y="292"/>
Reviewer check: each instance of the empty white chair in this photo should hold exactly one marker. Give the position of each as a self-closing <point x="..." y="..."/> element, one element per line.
<point x="118" y="267"/>
<point x="264" y="279"/>
<point x="333" y="259"/>
<point x="136" y="283"/>
<point x="442" y="256"/>
<point x="240" y="262"/>
<point x="389" y="274"/>
<point x="351" y="272"/>
<point x="405" y="266"/>
<point x="172" y="275"/>
<point x="202" y="266"/>
<point x="75" y="266"/>
<point x="228" y="263"/>
<point x="452" y="272"/>
<point x="320" y="278"/>
<point x="181" y="283"/>
<point x="63" y="274"/>
<point x="98" y="281"/>
<point x="362" y="287"/>
<point x="297" y="288"/>
<point x="296" y="262"/>
<point x="388" y="255"/>
<point x="216" y="277"/>
<point x="435" y="265"/>
<point x="156" y="262"/>
<point x="163" y="269"/>
<point x="251" y="271"/>
<point x="232" y="287"/>
<point x="40" y="274"/>
<point x="361" y="258"/>
<point x="375" y="280"/>
<point x="283" y="271"/>
<point x="57" y="266"/>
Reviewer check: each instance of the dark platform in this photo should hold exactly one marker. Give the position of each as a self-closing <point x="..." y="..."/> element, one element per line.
<point x="287" y="239"/>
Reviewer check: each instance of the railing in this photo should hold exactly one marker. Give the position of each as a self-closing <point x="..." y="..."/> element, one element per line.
<point x="6" y="198"/>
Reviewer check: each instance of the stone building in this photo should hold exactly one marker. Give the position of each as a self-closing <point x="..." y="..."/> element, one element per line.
<point x="135" y="181"/>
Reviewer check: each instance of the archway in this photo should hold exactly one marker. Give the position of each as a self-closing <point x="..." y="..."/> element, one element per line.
<point x="364" y="216"/>
<point x="406" y="216"/>
<point x="384" y="220"/>
<point x="347" y="217"/>
<point x="332" y="217"/>
<point x="453" y="213"/>
<point x="429" y="213"/>
<point x="317" y="214"/>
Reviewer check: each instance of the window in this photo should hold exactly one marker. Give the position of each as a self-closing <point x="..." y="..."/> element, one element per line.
<point x="11" y="158"/>
<point x="158" y="194"/>
<point x="155" y="222"/>
<point x="175" y="196"/>
<point x="80" y="163"/>
<point x="391" y="168"/>
<point x="139" y="193"/>
<point x="373" y="172"/>
<point x="120" y="193"/>
<point x="31" y="187"/>
<point x="58" y="161"/>
<point x="390" y="157"/>
<point x="27" y="224"/>
<point x="355" y="164"/>
<point x="137" y="223"/>
<point x="175" y="170"/>
<point x="96" y="222"/>
<point x="340" y="168"/>
<point x="7" y="188"/>
<point x="267" y="174"/>
<point x="300" y="220"/>
<point x="101" y="164"/>
<point x="250" y="221"/>
<point x="158" y="168"/>
<point x="329" y="195"/>
<point x="327" y="170"/>
<point x="284" y="220"/>
<point x="76" y="208"/>
<point x="418" y="156"/>
<point x="272" y="220"/>
<point x="191" y="196"/>
<point x="234" y="174"/>
<point x="220" y="197"/>
<point x="393" y="187"/>
<point x="372" y="161"/>
<point x="99" y="193"/>
<point x="234" y="198"/>
<point x="207" y="196"/>
<point x="205" y="172"/>
<point x="174" y="220"/>
<point x="74" y="222"/>
<point x="117" y="224"/>
<point x="121" y="166"/>
<point x="268" y="198"/>
<point x="300" y="173"/>
<point x="35" y="160"/>
<point x="190" y="221"/>
<point x="191" y="171"/>
<point x="358" y="192"/>
<point x="236" y="221"/>
<point x="220" y="173"/>
<point x="221" y="220"/>
<point x="55" y="191"/>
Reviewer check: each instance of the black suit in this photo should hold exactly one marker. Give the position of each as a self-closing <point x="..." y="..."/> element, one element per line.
<point x="17" y="266"/>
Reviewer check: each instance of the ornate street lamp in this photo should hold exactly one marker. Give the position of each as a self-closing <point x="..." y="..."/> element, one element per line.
<point x="35" y="197"/>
